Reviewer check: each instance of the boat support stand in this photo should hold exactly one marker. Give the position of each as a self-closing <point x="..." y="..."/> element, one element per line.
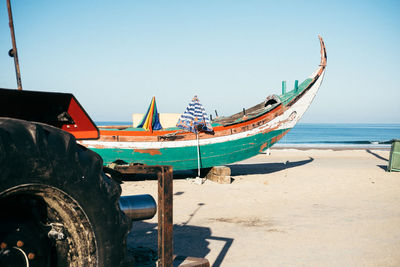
<point x="165" y="215"/>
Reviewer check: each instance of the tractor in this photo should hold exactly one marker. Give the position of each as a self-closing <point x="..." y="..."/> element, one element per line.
<point x="57" y="206"/>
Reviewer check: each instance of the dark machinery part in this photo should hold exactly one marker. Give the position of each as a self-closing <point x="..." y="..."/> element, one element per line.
<point x="24" y="241"/>
<point x="55" y="201"/>
<point x="138" y="207"/>
<point x="60" y="110"/>
<point x="11" y="52"/>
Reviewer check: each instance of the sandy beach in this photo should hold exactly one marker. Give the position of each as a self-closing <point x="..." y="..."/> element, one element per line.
<point x="291" y="208"/>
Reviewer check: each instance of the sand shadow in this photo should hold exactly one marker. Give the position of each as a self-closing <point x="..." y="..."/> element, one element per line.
<point x="181" y="174"/>
<point x="265" y="168"/>
<point x="376" y="155"/>
<point x="189" y="240"/>
<point x="383" y="167"/>
<point x="236" y="170"/>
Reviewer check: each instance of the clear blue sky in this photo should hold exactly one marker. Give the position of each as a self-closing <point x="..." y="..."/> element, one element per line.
<point x="115" y="55"/>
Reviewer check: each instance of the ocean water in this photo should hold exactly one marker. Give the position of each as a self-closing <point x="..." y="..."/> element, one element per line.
<point x="331" y="135"/>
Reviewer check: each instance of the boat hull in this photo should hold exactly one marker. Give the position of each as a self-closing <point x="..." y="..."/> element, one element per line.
<point x="185" y="157"/>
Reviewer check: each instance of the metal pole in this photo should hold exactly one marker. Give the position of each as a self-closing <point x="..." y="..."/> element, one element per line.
<point x="14" y="53"/>
<point x="198" y="154"/>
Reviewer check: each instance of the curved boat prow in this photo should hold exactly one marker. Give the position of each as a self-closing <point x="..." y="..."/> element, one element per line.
<point x="298" y="100"/>
<point x="323" y="52"/>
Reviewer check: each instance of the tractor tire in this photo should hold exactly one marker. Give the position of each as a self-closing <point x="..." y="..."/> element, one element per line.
<point x="57" y="206"/>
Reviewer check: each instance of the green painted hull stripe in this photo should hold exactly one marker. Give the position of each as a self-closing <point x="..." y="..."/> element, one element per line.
<point x="185" y="158"/>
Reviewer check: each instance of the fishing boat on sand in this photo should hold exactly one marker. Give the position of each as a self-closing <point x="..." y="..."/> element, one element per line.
<point x="234" y="138"/>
